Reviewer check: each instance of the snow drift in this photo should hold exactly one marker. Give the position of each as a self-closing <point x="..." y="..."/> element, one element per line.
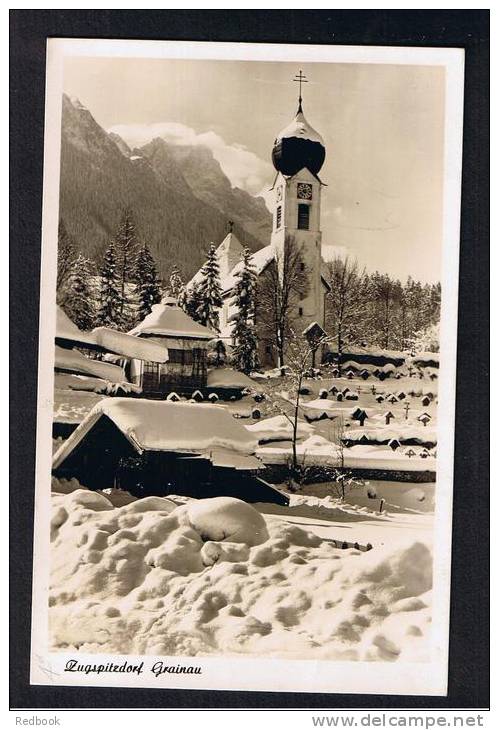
<point x="212" y="576"/>
<point x="278" y="428"/>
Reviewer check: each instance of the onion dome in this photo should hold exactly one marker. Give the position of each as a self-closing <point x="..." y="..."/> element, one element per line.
<point x="298" y="146"/>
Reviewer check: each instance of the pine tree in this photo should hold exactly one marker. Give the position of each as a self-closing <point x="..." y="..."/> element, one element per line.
<point x="210" y="292"/>
<point x="79" y="304"/>
<point x="66" y="256"/>
<point x="190" y="301"/>
<point x="148" y="284"/>
<point x="110" y="304"/>
<point x="126" y="255"/>
<point x="245" y="353"/>
<point x="176" y="284"/>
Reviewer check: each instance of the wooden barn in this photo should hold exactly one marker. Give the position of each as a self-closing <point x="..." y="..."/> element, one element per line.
<point x="186" y="342"/>
<point x="151" y="447"/>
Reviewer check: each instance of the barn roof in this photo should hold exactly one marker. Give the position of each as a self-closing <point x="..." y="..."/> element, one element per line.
<point x="171" y="321"/>
<point x="65" y="329"/>
<point x="106" y="339"/>
<point x="73" y="361"/>
<point x="165" y="426"/>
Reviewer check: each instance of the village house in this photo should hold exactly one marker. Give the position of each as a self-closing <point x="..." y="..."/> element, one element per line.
<point x="162" y="447"/>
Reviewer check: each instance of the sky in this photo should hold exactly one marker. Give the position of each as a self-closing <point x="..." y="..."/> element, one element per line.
<point x="383" y="127"/>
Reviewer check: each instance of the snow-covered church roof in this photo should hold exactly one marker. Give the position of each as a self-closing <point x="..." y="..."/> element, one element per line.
<point x="259" y="261"/>
<point x="168" y="320"/>
<point x="151" y="425"/>
<point x="229" y="253"/>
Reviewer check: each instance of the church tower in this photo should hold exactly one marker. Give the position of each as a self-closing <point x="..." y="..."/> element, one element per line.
<point x="298" y="155"/>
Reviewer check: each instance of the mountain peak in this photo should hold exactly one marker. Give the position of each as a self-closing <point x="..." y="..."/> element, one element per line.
<point x="121" y="144"/>
<point x="180" y="196"/>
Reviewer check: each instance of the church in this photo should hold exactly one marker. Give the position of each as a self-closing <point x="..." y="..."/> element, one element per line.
<point x="298" y="154"/>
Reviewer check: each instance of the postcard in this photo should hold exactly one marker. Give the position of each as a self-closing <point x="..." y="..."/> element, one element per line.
<point x="247" y="365"/>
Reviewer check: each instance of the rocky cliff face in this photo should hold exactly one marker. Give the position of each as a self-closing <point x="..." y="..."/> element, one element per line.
<point x="180" y="196"/>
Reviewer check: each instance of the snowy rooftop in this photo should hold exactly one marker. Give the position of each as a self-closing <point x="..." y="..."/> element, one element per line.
<point x="73" y="361"/>
<point x="165" y="426"/>
<point x="259" y="261"/>
<point x="110" y="340"/>
<point x="227" y="378"/>
<point x="231" y="249"/>
<point x="171" y="321"/>
<point x="65" y="329"/>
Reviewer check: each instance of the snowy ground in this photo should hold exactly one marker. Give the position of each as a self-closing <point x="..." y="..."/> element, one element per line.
<point x="71" y="406"/>
<point x="176" y="577"/>
<point x="173" y="576"/>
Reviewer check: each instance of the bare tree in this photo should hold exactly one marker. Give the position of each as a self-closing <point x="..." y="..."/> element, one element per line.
<point x="342" y="479"/>
<point x="346" y="303"/>
<point x="299" y="354"/>
<point x="282" y="285"/>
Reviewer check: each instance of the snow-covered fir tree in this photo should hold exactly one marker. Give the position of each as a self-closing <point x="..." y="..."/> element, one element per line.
<point x="66" y="256"/>
<point x="79" y="302"/>
<point x="175" y="284"/>
<point x="148" y="286"/>
<point x="427" y="339"/>
<point x="127" y="249"/>
<point x="210" y="292"/>
<point x="245" y="353"/>
<point x="190" y="301"/>
<point x="110" y="304"/>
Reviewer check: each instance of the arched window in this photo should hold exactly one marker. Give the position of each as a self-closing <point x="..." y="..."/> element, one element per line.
<point x="278" y="217"/>
<point x="303" y="217"/>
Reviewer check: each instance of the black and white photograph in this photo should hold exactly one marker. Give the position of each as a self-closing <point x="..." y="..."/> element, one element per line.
<point x="248" y="327"/>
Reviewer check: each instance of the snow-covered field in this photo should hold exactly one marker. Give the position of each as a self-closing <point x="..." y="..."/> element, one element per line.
<point x="219" y="576"/>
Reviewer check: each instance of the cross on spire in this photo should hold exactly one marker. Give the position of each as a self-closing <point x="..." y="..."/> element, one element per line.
<point x="301" y="80"/>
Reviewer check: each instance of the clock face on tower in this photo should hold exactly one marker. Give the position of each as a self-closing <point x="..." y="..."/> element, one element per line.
<point x="304" y="191"/>
<point x="279" y="194"/>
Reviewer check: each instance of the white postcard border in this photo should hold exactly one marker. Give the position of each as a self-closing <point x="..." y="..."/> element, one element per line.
<point x="229" y="672"/>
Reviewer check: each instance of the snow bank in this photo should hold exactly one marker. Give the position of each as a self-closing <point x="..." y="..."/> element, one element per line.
<point x="317" y="450"/>
<point x="212" y="577"/>
<point x="278" y="428"/>
<point x="401" y="432"/>
<point x="226" y="518"/>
